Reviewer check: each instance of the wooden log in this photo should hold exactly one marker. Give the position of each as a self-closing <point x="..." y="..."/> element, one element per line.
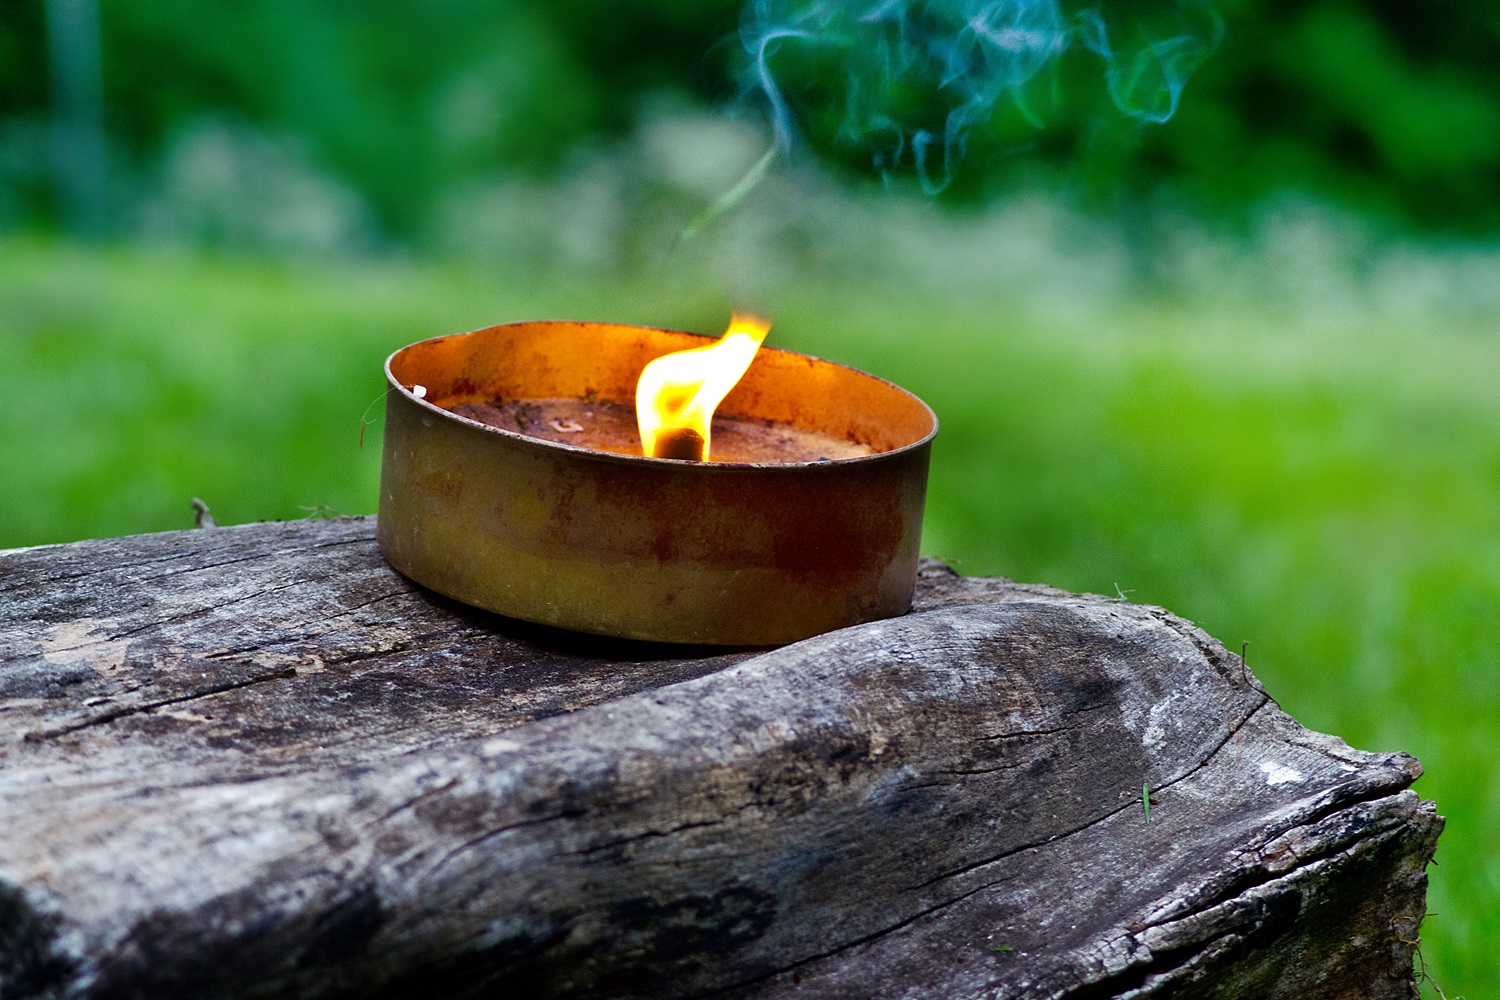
<point x="255" y="762"/>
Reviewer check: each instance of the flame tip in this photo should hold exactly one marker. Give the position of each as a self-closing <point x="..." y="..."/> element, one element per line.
<point x="749" y="323"/>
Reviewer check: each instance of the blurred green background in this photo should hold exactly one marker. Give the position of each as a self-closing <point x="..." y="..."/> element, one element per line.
<point x="1242" y="364"/>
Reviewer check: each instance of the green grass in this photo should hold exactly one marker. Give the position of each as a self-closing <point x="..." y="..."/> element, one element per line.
<point x="1329" y="492"/>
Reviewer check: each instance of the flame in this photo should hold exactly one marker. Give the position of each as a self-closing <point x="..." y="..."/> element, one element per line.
<point x="677" y="394"/>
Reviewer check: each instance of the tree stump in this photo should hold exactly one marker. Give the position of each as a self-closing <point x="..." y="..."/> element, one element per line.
<point x="256" y="762"/>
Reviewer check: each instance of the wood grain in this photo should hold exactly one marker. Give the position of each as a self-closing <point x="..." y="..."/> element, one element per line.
<point x="255" y="762"/>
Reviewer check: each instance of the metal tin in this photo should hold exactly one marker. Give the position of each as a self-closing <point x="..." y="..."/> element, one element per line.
<point x="647" y="548"/>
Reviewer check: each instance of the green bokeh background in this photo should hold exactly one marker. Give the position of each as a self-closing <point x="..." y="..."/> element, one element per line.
<point x="1242" y="365"/>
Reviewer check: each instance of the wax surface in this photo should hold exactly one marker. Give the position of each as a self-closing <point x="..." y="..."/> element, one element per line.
<point x="609" y="426"/>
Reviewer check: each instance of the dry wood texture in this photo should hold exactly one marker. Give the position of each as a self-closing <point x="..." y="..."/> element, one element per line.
<point x="255" y="762"/>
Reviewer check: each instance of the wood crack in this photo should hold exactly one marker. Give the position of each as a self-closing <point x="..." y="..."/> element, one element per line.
<point x="271" y="555"/>
<point x="58" y="579"/>
<point x="412" y="802"/>
<point x="1233" y="732"/>
<point x="1028" y="733"/>
<point x="307" y="636"/>
<point x="845" y="946"/>
<point x="106" y="567"/>
<point x="1136" y="974"/>
<point x="1097" y="819"/>
<point x="488" y="835"/>
<point x="1258" y="874"/>
<point x="656" y="834"/>
<point x="195" y="613"/>
<point x="1164" y="960"/>
<point x="120" y="713"/>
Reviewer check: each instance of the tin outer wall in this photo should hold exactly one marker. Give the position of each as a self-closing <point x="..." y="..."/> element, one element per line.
<point x="641" y="548"/>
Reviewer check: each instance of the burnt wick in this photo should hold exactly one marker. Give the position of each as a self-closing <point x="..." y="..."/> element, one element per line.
<point x="681" y="443"/>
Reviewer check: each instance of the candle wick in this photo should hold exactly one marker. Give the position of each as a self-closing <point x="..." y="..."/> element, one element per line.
<point x="682" y="443"/>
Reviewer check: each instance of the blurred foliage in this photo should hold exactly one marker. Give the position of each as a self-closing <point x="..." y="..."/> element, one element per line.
<point x="1316" y="480"/>
<point x="400" y="99"/>
<point x="1388" y="106"/>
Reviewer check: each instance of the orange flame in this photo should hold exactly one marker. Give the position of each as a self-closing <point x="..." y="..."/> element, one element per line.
<point x="677" y="394"/>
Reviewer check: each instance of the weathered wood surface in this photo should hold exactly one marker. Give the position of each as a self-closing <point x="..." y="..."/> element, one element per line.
<point x="253" y="762"/>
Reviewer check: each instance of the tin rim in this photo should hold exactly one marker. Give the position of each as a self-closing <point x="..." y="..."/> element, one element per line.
<point x="394" y="383"/>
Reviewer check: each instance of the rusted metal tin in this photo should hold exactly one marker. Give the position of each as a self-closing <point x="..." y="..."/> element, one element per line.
<point x="647" y="548"/>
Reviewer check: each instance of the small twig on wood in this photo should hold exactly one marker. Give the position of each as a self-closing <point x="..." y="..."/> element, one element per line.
<point x="1245" y="673"/>
<point x="202" y="516"/>
<point x="321" y="510"/>
<point x="1423" y="975"/>
<point x="364" y="418"/>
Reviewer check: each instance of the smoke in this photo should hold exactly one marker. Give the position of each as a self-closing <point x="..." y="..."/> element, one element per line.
<point x="910" y="81"/>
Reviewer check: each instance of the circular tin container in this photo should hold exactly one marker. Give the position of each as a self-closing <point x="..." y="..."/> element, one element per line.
<point x="648" y="548"/>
